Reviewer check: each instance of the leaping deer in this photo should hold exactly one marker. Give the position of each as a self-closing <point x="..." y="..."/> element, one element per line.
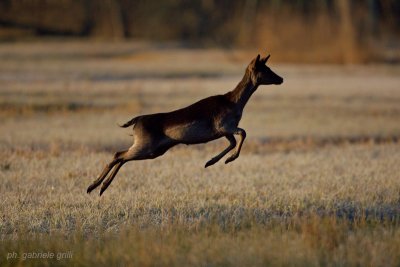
<point x="208" y="119"/>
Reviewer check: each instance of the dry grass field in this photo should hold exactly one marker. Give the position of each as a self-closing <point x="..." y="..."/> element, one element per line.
<point x="317" y="182"/>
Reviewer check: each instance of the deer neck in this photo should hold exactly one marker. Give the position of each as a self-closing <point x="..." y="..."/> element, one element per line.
<point x="243" y="91"/>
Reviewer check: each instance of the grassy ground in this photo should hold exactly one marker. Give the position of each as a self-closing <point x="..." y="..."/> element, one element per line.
<point x="317" y="183"/>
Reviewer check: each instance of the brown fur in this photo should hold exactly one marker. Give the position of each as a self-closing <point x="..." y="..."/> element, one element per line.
<point x="208" y="119"/>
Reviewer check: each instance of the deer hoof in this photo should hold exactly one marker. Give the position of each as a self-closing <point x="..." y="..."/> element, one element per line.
<point x="211" y="162"/>
<point x="230" y="159"/>
<point x="103" y="188"/>
<point x="90" y="189"/>
<point x="208" y="164"/>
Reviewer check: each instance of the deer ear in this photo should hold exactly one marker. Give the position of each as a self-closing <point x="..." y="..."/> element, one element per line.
<point x="255" y="62"/>
<point x="265" y="59"/>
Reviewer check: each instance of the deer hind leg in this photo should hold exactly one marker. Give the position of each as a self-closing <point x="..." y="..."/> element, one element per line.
<point x="136" y="152"/>
<point x="242" y="136"/>
<point x="111" y="177"/>
<point x="232" y="144"/>
<point x="106" y="170"/>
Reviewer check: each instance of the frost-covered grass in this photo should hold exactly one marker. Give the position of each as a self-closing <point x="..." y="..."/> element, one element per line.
<point x="286" y="202"/>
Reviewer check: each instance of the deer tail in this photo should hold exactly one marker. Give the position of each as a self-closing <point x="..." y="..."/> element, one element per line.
<point x="131" y="122"/>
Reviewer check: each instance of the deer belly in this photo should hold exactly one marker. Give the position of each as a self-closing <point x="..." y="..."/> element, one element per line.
<point x="191" y="133"/>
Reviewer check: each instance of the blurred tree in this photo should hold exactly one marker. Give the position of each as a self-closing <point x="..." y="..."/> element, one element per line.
<point x="106" y="21"/>
<point x="44" y="17"/>
<point x="312" y="25"/>
<point x="347" y="32"/>
<point x="373" y="17"/>
<point x="248" y="21"/>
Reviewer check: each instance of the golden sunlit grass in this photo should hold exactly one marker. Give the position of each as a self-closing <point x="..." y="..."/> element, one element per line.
<point x="300" y="242"/>
<point x="302" y="193"/>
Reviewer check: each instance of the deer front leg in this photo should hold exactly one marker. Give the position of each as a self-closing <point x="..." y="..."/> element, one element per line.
<point x="242" y="136"/>
<point x="232" y="144"/>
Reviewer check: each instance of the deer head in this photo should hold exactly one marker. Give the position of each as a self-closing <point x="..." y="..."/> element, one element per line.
<point x="261" y="74"/>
